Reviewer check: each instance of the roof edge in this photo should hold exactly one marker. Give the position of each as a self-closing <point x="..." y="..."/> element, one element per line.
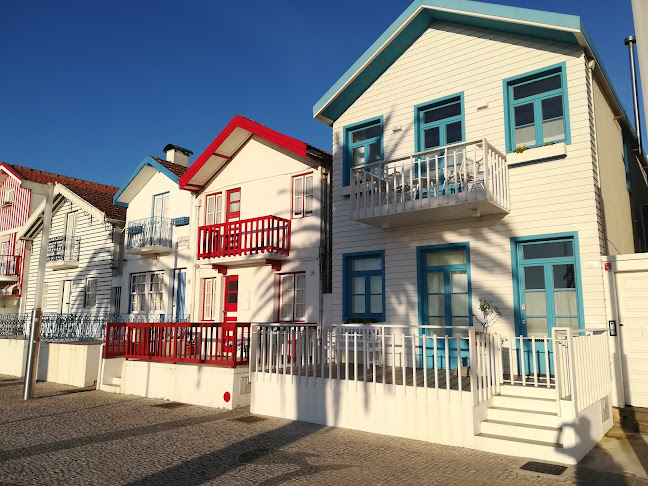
<point x="150" y="161"/>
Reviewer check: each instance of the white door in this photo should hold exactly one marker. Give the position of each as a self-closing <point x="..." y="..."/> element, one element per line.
<point x="66" y="297"/>
<point x="632" y="292"/>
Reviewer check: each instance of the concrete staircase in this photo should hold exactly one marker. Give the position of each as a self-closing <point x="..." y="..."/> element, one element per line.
<point x="114" y="386"/>
<point x="524" y="422"/>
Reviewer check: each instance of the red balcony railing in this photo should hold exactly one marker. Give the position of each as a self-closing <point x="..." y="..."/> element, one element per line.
<point x="223" y="344"/>
<point x="9" y="266"/>
<point x="267" y="234"/>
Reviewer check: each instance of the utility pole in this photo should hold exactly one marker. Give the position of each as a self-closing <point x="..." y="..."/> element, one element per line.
<point x="37" y="314"/>
<point x="640" y="17"/>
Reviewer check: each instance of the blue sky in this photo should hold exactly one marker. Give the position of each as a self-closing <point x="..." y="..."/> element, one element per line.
<point x="89" y="88"/>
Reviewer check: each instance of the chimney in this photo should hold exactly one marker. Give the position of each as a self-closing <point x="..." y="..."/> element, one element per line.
<point x="177" y="155"/>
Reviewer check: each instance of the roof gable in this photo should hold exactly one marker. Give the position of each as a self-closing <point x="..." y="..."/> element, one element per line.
<point x="233" y="137"/>
<point x="420" y="15"/>
<point x="146" y="169"/>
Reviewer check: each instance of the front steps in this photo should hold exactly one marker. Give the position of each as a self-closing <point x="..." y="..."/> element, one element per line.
<point x="524" y="422"/>
<point x="113" y="387"/>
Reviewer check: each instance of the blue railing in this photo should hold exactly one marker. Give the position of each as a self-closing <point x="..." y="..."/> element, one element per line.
<point x="74" y="327"/>
<point x="149" y="232"/>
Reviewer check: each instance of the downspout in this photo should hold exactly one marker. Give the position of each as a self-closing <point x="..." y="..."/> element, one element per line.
<point x="193" y="249"/>
<point x="630" y="42"/>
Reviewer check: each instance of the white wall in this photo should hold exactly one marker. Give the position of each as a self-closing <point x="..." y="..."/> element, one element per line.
<point x="95" y="259"/>
<point x="549" y="197"/>
<point x="180" y="204"/>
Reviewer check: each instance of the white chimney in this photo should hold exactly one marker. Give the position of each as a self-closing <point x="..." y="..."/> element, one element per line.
<point x="177" y="155"/>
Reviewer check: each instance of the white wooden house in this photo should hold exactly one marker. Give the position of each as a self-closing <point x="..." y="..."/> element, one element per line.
<point x="158" y="263"/>
<point x="261" y="222"/>
<point x="480" y="158"/>
<point x="84" y="250"/>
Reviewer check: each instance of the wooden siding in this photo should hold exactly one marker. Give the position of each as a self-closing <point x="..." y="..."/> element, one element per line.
<point x="13" y="217"/>
<point x="549" y="197"/>
<point x="95" y="259"/>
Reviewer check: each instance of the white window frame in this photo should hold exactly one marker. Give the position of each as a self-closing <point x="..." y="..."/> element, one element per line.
<point x="134" y="292"/>
<point x="292" y="297"/>
<point x="209" y="294"/>
<point x="9" y="196"/>
<point x="302" y="195"/>
<point x="90" y="294"/>
<point x="156" y="291"/>
<point x="215" y="215"/>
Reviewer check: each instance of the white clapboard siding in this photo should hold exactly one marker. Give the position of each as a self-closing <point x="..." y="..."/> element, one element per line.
<point x="95" y="259"/>
<point x="546" y="198"/>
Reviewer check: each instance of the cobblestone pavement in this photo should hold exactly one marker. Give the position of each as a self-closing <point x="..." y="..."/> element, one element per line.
<point x="77" y="436"/>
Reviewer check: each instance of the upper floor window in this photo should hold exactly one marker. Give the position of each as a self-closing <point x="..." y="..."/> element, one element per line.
<point x="302" y="193"/>
<point x="9" y="197"/>
<point x="138" y="292"/>
<point x="161" y="205"/>
<point x="233" y="212"/>
<point x="536" y="108"/>
<point x="363" y="285"/>
<point x="363" y="144"/>
<point x="439" y="123"/>
<point x="214" y="209"/>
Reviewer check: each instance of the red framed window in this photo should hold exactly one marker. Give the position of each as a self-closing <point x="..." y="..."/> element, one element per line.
<point x="302" y="195"/>
<point x="214" y="209"/>
<point x="233" y="211"/>
<point x="292" y="297"/>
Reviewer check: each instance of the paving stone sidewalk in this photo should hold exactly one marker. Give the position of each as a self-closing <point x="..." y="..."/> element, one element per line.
<point x="71" y="436"/>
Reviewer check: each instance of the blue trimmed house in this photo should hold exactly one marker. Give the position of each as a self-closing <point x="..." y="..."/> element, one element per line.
<point x="481" y="157"/>
<point x="157" y="256"/>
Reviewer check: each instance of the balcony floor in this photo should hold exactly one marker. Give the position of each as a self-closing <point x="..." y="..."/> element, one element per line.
<point x="150" y="250"/>
<point x="450" y="207"/>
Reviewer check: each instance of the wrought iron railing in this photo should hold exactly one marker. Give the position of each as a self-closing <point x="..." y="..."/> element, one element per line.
<point x="63" y="248"/>
<point x="75" y="327"/>
<point x="9" y="265"/>
<point x="149" y="232"/>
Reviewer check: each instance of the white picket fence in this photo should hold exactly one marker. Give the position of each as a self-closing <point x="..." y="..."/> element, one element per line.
<point x="425" y="360"/>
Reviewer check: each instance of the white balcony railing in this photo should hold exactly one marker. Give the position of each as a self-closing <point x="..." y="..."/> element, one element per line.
<point x="473" y="174"/>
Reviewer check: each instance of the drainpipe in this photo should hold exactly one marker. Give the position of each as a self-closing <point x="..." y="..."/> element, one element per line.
<point x="630" y="41"/>
<point x="640" y="15"/>
<point x="193" y="251"/>
<point x="37" y="315"/>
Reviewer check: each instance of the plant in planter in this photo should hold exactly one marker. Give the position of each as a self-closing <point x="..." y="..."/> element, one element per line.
<point x="361" y="320"/>
<point x="490" y="314"/>
<point x="520" y="148"/>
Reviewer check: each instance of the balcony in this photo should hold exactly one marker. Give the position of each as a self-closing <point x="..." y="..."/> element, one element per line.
<point x="459" y="181"/>
<point x="248" y="240"/>
<point x="63" y="252"/>
<point x="150" y="236"/>
<point x="9" y="268"/>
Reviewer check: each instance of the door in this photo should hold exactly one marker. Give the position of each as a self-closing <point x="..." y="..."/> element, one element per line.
<point x="632" y="289"/>
<point x="444" y="296"/>
<point x="230" y="306"/>
<point x="179" y="287"/>
<point x="160" y="211"/>
<point x="70" y="236"/>
<point x="66" y="297"/>
<point x="549" y="295"/>
<point x="232" y="217"/>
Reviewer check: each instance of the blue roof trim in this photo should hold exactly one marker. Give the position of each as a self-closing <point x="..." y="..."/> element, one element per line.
<point x="145" y="161"/>
<point x="411" y="31"/>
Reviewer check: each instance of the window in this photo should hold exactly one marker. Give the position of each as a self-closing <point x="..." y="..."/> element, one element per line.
<point x="90" y="299"/>
<point x="214" y="209"/>
<point x="155" y="291"/>
<point x="161" y="205"/>
<point x="363" y="285"/>
<point x="233" y="204"/>
<point x="138" y="292"/>
<point x="209" y="292"/>
<point x="292" y="297"/>
<point x="9" y="197"/>
<point x="444" y="287"/>
<point x="439" y="123"/>
<point x="536" y="108"/>
<point x="363" y="144"/>
<point x="302" y="191"/>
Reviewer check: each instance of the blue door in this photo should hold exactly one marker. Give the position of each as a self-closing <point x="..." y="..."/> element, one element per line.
<point x="445" y="301"/>
<point x="549" y="295"/>
<point x="179" y="291"/>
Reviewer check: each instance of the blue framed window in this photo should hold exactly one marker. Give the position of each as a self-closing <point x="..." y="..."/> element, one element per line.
<point x="536" y="108"/>
<point x="444" y="287"/>
<point x="363" y="144"/>
<point x="363" y="285"/>
<point x="439" y="123"/>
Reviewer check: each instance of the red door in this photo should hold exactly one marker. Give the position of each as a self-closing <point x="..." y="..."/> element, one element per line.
<point x="232" y="218"/>
<point x="231" y="298"/>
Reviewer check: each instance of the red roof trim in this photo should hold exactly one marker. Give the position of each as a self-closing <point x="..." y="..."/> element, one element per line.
<point x="4" y="166"/>
<point x="254" y="128"/>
